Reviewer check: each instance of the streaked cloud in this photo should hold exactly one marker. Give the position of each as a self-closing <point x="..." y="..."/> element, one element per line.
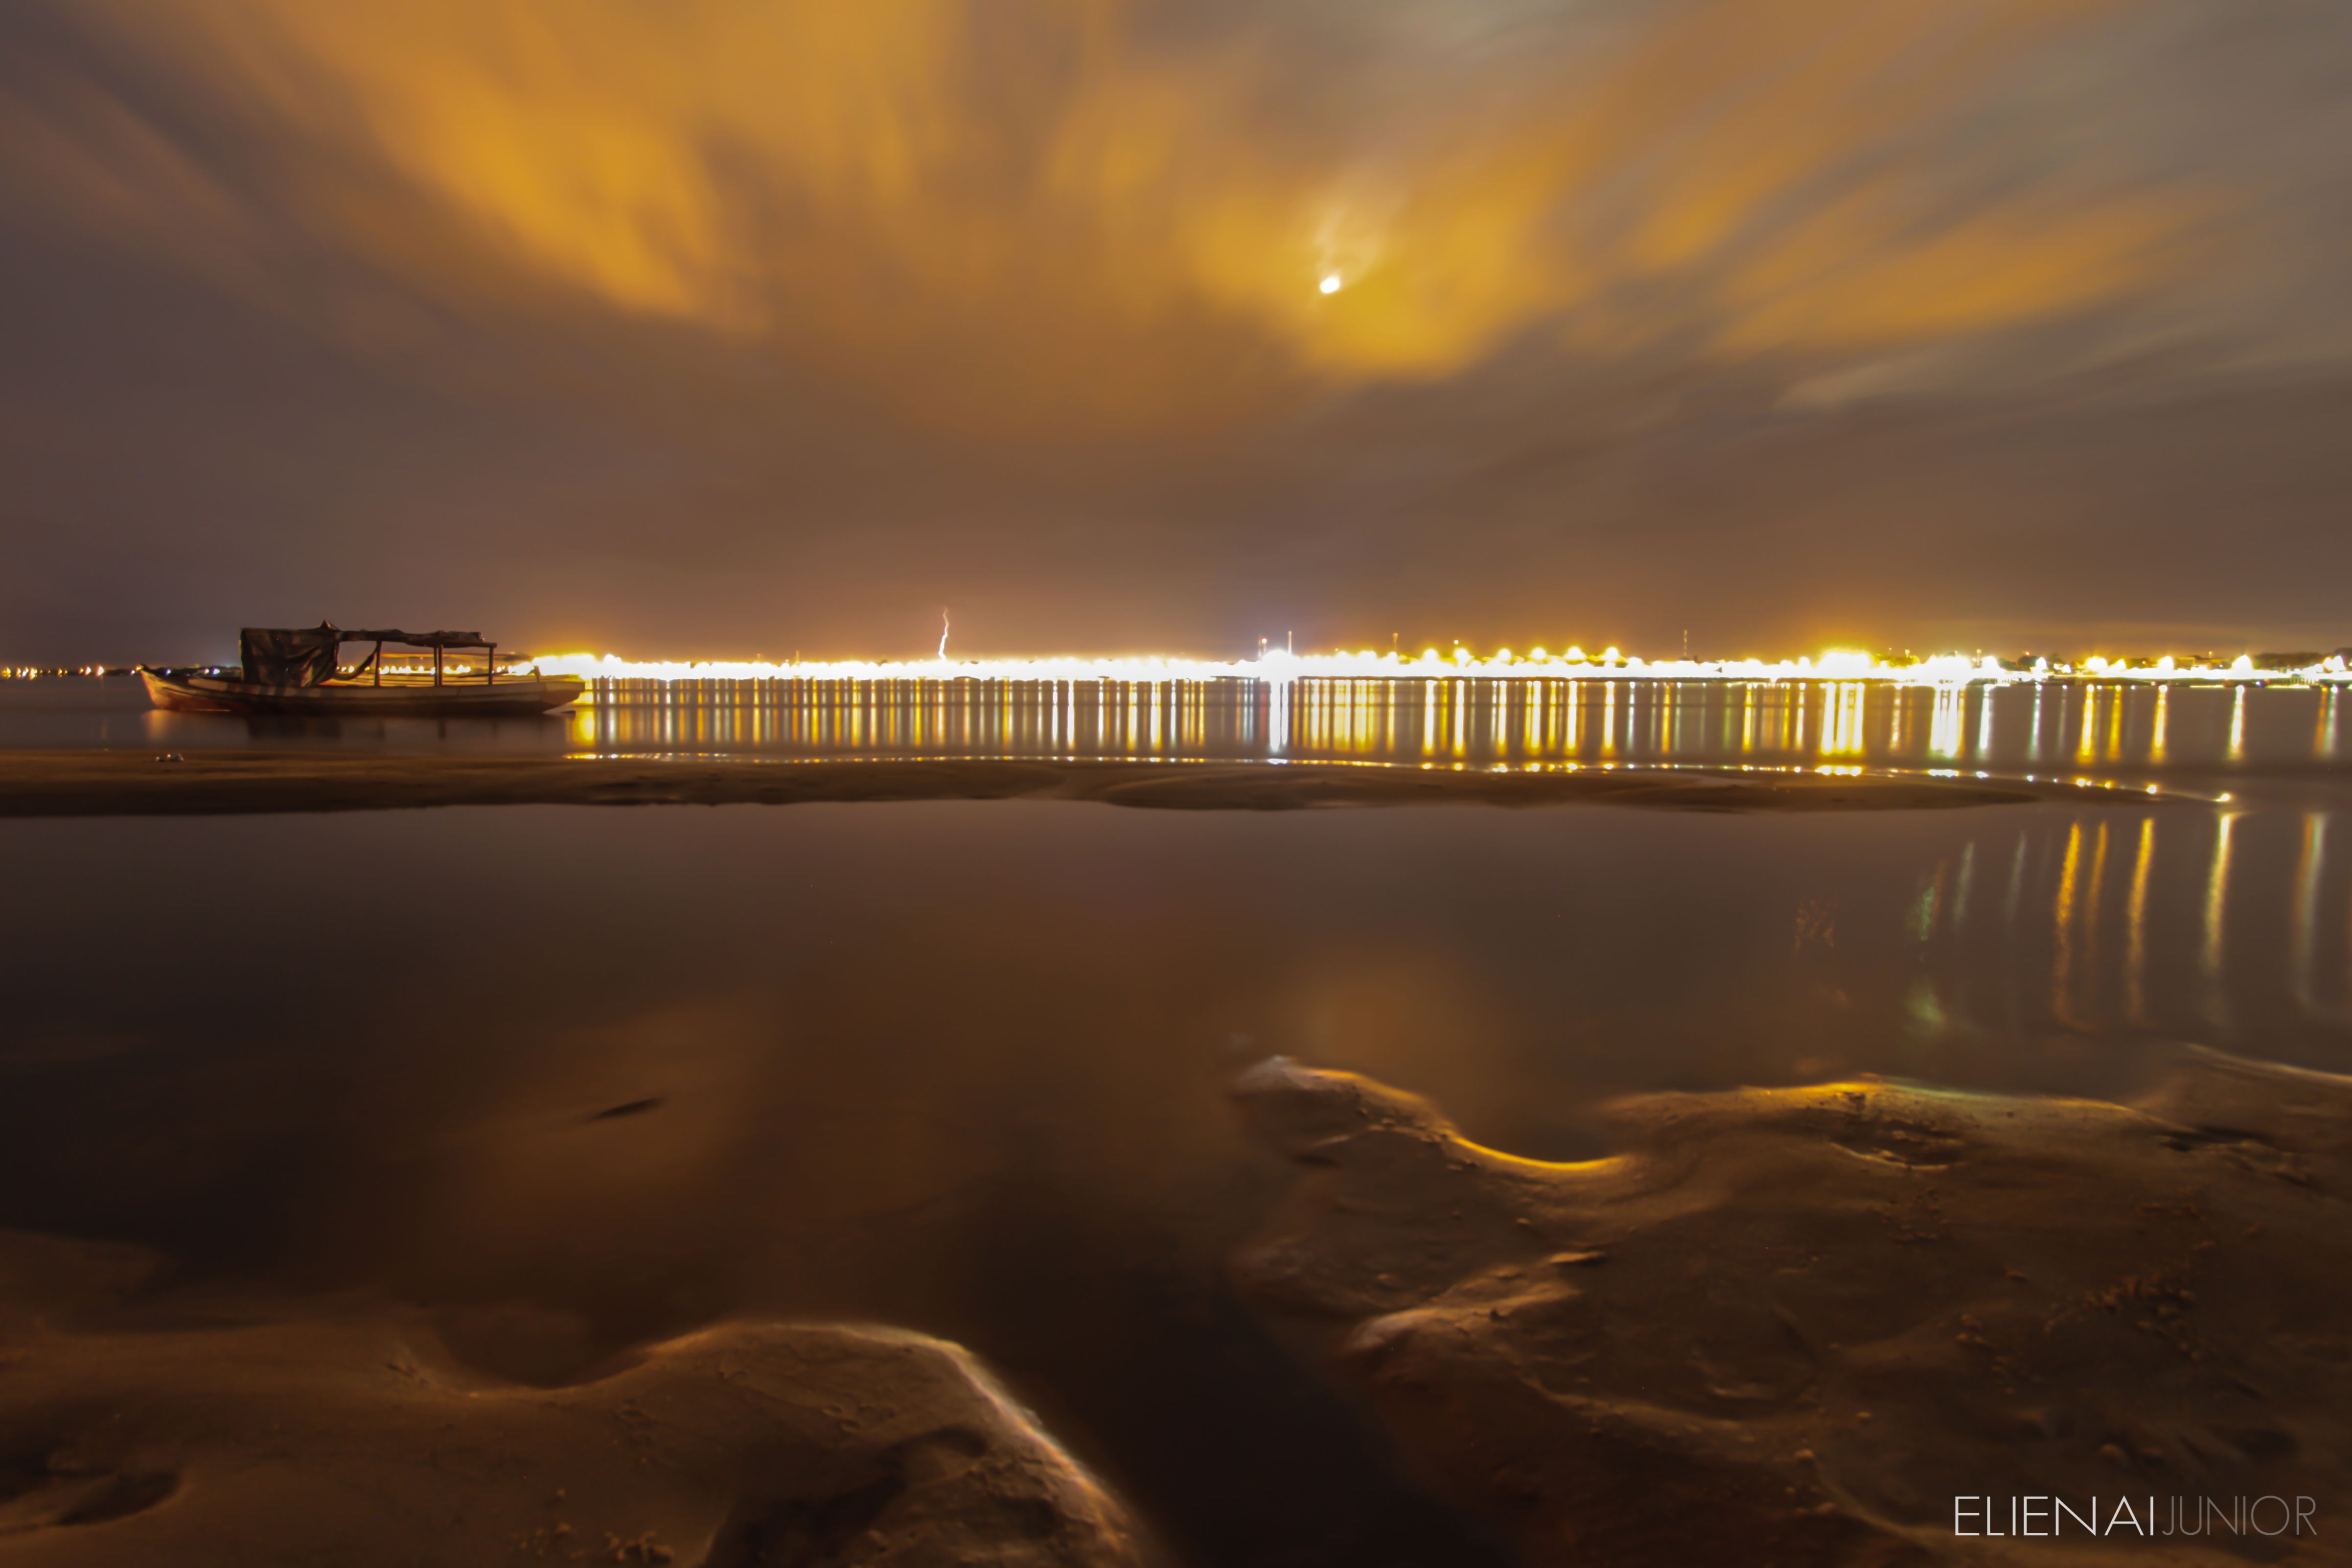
<point x="1058" y="213"/>
<point x="1146" y="322"/>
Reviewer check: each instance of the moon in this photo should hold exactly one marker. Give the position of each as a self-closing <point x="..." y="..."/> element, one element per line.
<point x="1330" y="284"/>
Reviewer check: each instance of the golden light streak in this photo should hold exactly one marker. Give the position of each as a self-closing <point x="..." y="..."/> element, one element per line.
<point x="2217" y="886"/>
<point x="2135" y="917"/>
<point x="2093" y="897"/>
<point x="2061" y="977"/>
<point x="2308" y="868"/>
<point x="1947" y="728"/>
<point x="1842" y="734"/>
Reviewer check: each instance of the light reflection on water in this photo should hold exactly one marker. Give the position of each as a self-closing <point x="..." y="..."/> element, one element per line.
<point x="961" y="1064"/>
<point x="2042" y="728"/>
<point x="2167" y="919"/>
<point x="2175" y="920"/>
<point x="2229" y="925"/>
<point x="2225" y="925"/>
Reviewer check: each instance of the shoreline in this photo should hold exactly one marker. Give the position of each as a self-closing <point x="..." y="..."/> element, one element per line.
<point x="151" y="784"/>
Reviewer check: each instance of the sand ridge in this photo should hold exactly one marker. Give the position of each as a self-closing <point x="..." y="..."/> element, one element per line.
<point x="136" y="1429"/>
<point x="1797" y="1326"/>
<point x="139" y="782"/>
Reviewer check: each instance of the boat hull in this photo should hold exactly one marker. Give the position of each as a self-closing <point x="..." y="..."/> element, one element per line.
<point x="503" y="698"/>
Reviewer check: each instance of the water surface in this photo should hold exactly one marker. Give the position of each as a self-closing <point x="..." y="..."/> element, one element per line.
<point x="961" y="1064"/>
<point x="2057" y="728"/>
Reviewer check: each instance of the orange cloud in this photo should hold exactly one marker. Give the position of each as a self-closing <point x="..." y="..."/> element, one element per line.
<point x="1019" y="216"/>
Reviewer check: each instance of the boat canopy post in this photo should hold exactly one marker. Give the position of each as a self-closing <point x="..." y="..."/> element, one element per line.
<point x="489" y="664"/>
<point x="439" y="642"/>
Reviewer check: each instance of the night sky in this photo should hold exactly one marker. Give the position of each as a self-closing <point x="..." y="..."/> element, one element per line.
<point x="699" y="328"/>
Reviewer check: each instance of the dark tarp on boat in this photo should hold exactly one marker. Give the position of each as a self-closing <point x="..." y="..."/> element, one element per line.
<point x="301" y="655"/>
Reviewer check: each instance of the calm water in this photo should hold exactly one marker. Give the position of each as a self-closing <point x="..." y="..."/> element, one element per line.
<point x="962" y="1065"/>
<point x="2057" y="728"/>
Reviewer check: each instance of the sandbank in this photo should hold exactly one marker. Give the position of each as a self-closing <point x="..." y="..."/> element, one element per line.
<point x="142" y="783"/>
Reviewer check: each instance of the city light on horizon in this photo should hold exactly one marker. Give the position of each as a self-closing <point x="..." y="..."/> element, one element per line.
<point x="1276" y="663"/>
<point x="679" y="324"/>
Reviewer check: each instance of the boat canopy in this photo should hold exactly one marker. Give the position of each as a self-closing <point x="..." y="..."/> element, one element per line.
<point x="306" y="656"/>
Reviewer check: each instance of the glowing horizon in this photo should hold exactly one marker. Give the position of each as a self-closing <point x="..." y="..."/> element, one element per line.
<point x="1276" y="664"/>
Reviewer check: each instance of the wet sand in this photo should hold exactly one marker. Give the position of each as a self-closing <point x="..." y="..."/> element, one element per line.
<point x="1781" y="1327"/>
<point x="1728" y="1218"/>
<point x="1794" y="1326"/>
<point x="135" y="1427"/>
<point x="126" y="782"/>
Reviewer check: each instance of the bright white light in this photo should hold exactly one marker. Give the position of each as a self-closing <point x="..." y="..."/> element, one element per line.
<point x="1281" y="663"/>
<point x="1330" y="284"/>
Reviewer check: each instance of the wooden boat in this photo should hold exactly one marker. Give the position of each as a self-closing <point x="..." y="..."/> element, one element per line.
<point x="297" y="671"/>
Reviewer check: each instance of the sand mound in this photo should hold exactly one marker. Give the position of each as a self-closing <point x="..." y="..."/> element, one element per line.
<point x="350" y="1437"/>
<point x="110" y="784"/>
<point x="1797" y="1326"/>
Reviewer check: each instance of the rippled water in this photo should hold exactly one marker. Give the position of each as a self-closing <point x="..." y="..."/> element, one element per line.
<point x="961" y="1065"/>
